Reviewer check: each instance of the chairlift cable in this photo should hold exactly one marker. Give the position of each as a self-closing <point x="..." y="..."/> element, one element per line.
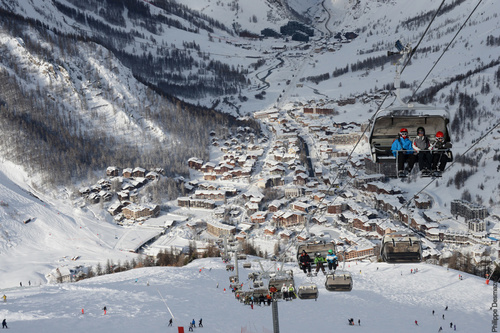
<point x="445" y="49"/>
<point x="452" y="163"/>
<point x="422" y="37"/>
<point x="370" y="121"/>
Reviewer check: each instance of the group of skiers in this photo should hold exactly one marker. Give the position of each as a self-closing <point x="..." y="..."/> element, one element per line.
<point x="319" y="260"/>
<point x="351" y="321"/>
<point x="288" y="292"/>
<point x="432" y="156"/>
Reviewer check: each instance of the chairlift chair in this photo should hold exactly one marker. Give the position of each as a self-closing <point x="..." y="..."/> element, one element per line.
<point x="401" y="248"/>
<point x="314" y="247"/>
<point x="338" y="281"/>
<point x="308" y="291"/>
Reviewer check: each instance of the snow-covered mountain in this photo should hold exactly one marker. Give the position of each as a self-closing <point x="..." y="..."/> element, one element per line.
<point x="82" y="78"/>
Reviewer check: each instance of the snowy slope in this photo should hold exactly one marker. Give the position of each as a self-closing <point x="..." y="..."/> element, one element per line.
<point x="56" y="233"/>
<point x="384" y="298"/>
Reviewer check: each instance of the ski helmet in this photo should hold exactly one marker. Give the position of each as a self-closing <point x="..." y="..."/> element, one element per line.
<point x="330" y="251"/>
<point x="421" y="130"/>
<point x="439" y="134"/>
<point x="403" y="132"/>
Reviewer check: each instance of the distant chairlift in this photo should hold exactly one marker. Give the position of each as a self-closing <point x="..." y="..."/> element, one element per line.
<point x="308" y="291"/>
<point x="401" y="248"/>
<point x="338" y="281"/>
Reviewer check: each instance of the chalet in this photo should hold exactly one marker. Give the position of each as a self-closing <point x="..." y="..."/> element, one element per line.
<point x="127" y="172"/>
<point x="133" y="196"/>
<point x="208" y="167"/>
<point x="300" y="179"/>
<point x="105" y="195"/>
<point x="289" y="219"/>
<point x="277" y="170"/>
<point x="195" y="163"/>
<point x="112" y="171"/>
<point x="84" y="191"/>
<point x="115" y="208"/>
<point x="183" y="201"/>
<point x="229" y="191"/>
<point x="301" y="206"/>
<point x="286" y="234"/>
<point x="123" y="195"/>
<point x="152" y="175"/>
<point x="241" y="236"/>
<point x="258" y="217"/>
<point x="139" y="172"/>
<point x="334" y="208"/>
<point x="209" y="176"/>
<point x="269" y="230"/>
<point x="361" y="222"/>
<point x="93" y="198"/>
<point x="226" y="176"/>
<point x="207" y="187"/>
<point x="251" y="207"/>
<point x="274" y="206"/>
<point x="159" y="171"/>
<point x="423" y="203"/>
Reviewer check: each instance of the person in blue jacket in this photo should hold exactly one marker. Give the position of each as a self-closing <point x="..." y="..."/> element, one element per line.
<point x="402" y="149"/>
<point x="332" y="260"/>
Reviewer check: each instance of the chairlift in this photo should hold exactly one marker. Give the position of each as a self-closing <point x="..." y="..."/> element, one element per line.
<point x="278" y="281"/>
<point x="401" y="248"/>
<point x="314" y="247"/>
<point x="389" y="121"/>
<point x="233" y="279"/>
<point x="308" y="291"/>
<point x="258" y="284"/>
<point x="247" y="265"/>
<point x="338" y="281"/>
<point x="385" y="130"/>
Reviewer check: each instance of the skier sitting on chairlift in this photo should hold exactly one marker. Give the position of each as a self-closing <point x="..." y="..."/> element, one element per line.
<point x="332" y="260"/>
<point x="319" y="260"/>
<point x="305" y="262"/>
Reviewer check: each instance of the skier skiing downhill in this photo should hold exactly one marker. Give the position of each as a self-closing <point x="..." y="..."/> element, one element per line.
<point x="332" y="260"/>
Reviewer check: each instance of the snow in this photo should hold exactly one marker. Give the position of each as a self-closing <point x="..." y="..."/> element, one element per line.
<point x="385" y="297"/>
